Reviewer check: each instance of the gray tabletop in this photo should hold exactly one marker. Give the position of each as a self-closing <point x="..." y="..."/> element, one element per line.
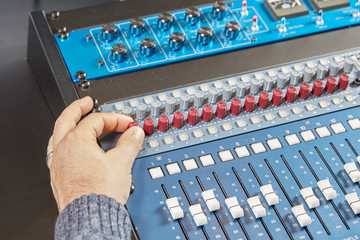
<point x="27" y="208"/>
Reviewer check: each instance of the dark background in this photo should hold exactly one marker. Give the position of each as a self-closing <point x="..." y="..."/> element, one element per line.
<point x="27" y="208"/>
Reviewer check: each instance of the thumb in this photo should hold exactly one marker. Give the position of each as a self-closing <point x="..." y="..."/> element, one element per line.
<point x="128" y="146"/>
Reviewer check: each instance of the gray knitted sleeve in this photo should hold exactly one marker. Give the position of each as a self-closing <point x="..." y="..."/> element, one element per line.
<point x="93" y="217"/>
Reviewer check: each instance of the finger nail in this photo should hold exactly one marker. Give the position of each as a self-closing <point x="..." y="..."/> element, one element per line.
<point x="139" y="134"/>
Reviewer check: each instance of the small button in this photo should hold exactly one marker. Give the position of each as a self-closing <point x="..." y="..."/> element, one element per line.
<point x="176" y="93"/>
<point x="184" y="136"/>
<point x="242" y="152"/>
<point x="226" y="156"/>
<point x="119" y="106"/>
<point x="241" y="123"/>
<point x="310" y="107"/>
<point x="258" y="147"/>
<point x="259" y="76"/>
<point x="227" y="126"/>
<point x="338" y="128"/>
<point x="169" y="140"/>
<point x="207" y="160"/>
<point x="156" y="172"/>
<point x="213" y="129"/>
<point x="255" y="120"/>
<point x="274" y="144"/>
<point x="134" y="102"/>
<point x="204" y="87"/>
<point x="354" y="123"/>
<point x="173" y="168"/>
<point x="198" y="133"/>
<point x="296" y="110"/>
<point x="292" y="139"/>
<point x="307" y="135"/>
<point x="283" y="113"/>
<point x="272" y="72"/>
<point x="323" y="103"/>
<point x="350" y="97"/>
<point x="246" y="78"/>
<point x="163" y="96"/>
<point x="190" y="164"/>
<point x="323" y="132"/>
<point x="148" y="99"/>
<point x="232" y="81"/>
<point x="336" y="100"/>
<point x="218" y="84"/>
<point x="269" y="116"/>
<point x="298" y="67"/>
<point x="286" y="69"/>
<point x="154" y="143"/>
<point x="191" y="90"/>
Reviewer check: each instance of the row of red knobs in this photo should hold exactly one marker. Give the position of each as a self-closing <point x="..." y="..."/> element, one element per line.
<point x="249" y="105"/>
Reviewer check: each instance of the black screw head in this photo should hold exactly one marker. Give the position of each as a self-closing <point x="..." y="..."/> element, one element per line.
<point x="100" y="63"/>
<point x="88" y="37"/>
<point x="84" y="84"/>
<point x="54" y="15"/>
<point x="81" y="75"/>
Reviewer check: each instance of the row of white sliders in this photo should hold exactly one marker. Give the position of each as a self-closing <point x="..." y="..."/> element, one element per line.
<point x="257" y="207"/>
<point x="354" y="173"/>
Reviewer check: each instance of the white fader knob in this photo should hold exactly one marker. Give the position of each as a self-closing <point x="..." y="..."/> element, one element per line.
<point x="354" y="202"/>
<point x="301" y="216"/>
<point x="352" y="171"/>
<point x="256" y="206"/>
<point x="234" y="207"/>
<point x="325" y="187"/>
<point x="269" y="194"/>
<point x="282" y="27"/>
<point x="198" y="215"/>
<point x="174" y="208"/>
<point x="211" y="202"/>
<point x="311" y="200"/>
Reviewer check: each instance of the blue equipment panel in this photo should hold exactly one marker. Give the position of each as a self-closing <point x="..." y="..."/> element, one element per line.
<point x="83" y="49"/>
<point x="292" y="146"/>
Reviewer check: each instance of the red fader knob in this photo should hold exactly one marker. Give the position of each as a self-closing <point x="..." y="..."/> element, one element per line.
<point x="343" y="82"/>
<point x="178" y="120"/>
<point x="277" y="97"/>
<point x="235" y="106"/>
<point x="290" y="94"/>
<point x="263" y="100"/>
<point x="330" y="85"/>
<point x="206" y="114"/>
<point x="304" y="91"/>
<point x="221" y="110"/>
<point x="317" y="88"/>
<point x="149" y="126"/>
<point x="163" y="123"/>
<point x="192" y="118"/>
<point x="249" y="104"/>
<point x="133" y="124"/>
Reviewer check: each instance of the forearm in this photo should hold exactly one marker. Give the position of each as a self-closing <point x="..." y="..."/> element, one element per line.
<point x="95" y="217"/>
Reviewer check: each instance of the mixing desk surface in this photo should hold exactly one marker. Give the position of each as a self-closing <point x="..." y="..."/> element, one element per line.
<point x="268" y="149"/>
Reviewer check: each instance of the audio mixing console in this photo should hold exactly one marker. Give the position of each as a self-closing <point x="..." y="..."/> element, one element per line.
<point x="251" y="110"/>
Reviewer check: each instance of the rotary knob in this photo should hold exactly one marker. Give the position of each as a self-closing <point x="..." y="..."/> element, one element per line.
<point x="206" y="114"/>
<point x="226" y="92"/>
<point x="147" y="47"/>
<point x="235" y="106"/>
<point x="219" y="10"/>
<point x="232" y="30"/>
<point x="165" y="21"/>
<point x="268" y="83"/>
<point x="263" y="100"/>
<point x="155" y="108"/>
<point x="240" y="89"/>
<point x="304" y="91"/>
<point x="281" y="80"/>
<point x="192" y="16"/>
<point x="290" y="94"/>
<point x="148" y="126"/>
<point x="330" y="85"/>
<point x="137" y="26"/>
<point x="163" y="123"/>
<point x="317" y="88"/>
<point x="294" y="77"/>
<point x="170" y="105"/>
<point x="198" y="98"/>
<point x="308" y="74"/>
<point x="249" y="104"/>
<point x="119" y="52"/>
<point x="277" y="97"/>
<point x="334" y="69"/>
<point x="221" y="110"/>
<point x="178" y="120"/>
<point x="204" y="35"/>
<point x="108" y="32"/>
<point x="192" y="118"/>
<point x="176" y="41"/>
<point x="348" y="65"/>
<point x="184" y="101"/>
<point x="321" y="71"/>
<point x="343" y="82"/>
<point x="141" y="111"/>
<point x="254" y="86"/>
<point x="213" y="95"/>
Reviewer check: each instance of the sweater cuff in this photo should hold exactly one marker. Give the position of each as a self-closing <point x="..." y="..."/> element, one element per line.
<point x="93" y="216"/>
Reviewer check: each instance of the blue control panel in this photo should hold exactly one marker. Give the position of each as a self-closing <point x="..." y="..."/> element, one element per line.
<point x="283" y="165"/>
<point x="182" y="35"/>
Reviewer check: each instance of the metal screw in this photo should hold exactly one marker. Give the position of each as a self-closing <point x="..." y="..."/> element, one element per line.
<point x="61" y="29"/>
<point x="100" y="63"/>
<point x="132" y="188"/>
<point x="54" y="15"/>
<point x="254" y="39"/>
<point x="81" y="75"/>
<point x="84" y="84"/>
<point x="88" y="37"/>
<point x="64" y="35"/>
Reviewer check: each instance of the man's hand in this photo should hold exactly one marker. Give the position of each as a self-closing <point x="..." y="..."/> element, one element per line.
<point x="79" y="166"/>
